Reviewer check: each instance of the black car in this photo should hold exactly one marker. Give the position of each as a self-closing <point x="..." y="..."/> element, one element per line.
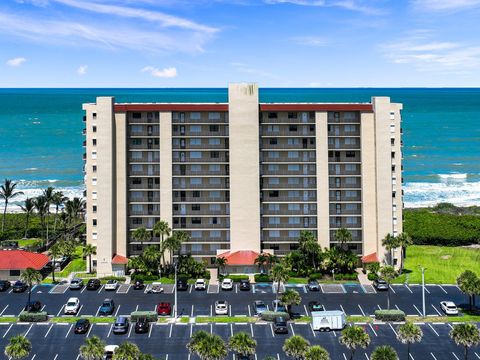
<point x="4" y="285"/>
<point x="245" y="284"/>
<point x="182" y="284"/>
<point x="138" y="285"/>
<point x="142" y="326"/>
<point x="93" y="284"/>
<point x="33" y="306"/>
<point x="280" y="325"/>
<point x="107" y="308"/>
<point x="19" y="286"/>
<point x="380" y="284"/>
<point x="82" y="326"/>
<point x="315" y="306"/>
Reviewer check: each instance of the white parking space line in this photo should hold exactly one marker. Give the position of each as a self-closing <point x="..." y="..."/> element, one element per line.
<point x="251" y="330"/>
<point x="171" y="329"/>
<point x="231" y="329"/>
<point x="391" y="288"/>
<point x="397" y="307"/>
<point x="6" y="332"/>
<point x="306" y="311"/>
<point x="190" y="288"/>
<point x="363" y="313"/>
<point x="130" y="329"/>
<point x="455" y="355"/>
<point x="451" y="327"/>
<point x="26" y="333"/>
<point x="367" y="356"/>
<point x="278" y="356"/>
<point x="341" y="307"/>
<point x="60" y="311"/>
<point x="78" y="357"/>
<point x="379" y="308"/>
<point x="110" y="330"/>
<point x="98" y="310"/>
<point x="43" y="307"/>
<point x="441" y="287"/>
<point x="150" y="330"/>
<point x="211" y="328"/>
<point x="371" y="327"/>
<point x="438" y="312"/>
<point x="70" y="329"/>
<point x="344" y="357"/>
<point x="426" y="289"/>
<point x="48" y="331"/>
<point x="89" y="330"/>
<point x="433" y="356"/>
<point x="417" y="309"/>
<point x="435" y="331"/>
<point x="5" y="308"/>
<point x="249" y="311"/>
<point x="411" y="292"/>
<point x="291" y="328"/>
<point x="56" y="356"/>
<point x="101" y="287"/>
<point x="411" y="356"/>
<point x="236" y="288"/>
<point x="78" y="313"/>
<point x="83" y="289"/>
<point x="478" y="356"/>
<point x="191" y="313"/>
<point x="335" y="333"/>
<point x="118" y="309"/>
<point x="391" y="327"/>
<point x="230" y="310"/>
<point x="34" y="356"/>
<point x="313" y="331"/>
<point x="271" y="328"/>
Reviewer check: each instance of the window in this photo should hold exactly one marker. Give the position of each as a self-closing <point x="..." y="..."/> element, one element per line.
<point x="196" y="220"/>
<point x="274" y="233"/>
<point x="196" y="194"/>
<point x="94" y="222"/>
<point x="293" y="141"/>
<point x="351" y="220"/>
<point x="393" y="154"/>
<point x="294" y="220"/>
<point x="214" y="154"/>
<point x="214" y="141"/>
<point x="94" y="235"/>
<point x="292" y="128"/>
<point x="350" y="128"/>
<point x="94" y="128"/>
<point x="195" y="128"/>
<point x="195" y="155"/>
<point x="213" y="128"/>
<point x="274" y="220"/>
<point x="136" y="129"/>
<point x="94" y="195"/>
<point x="293" y="181"/>
<point x="292" y="115"/>
<point x="273" y="141"/>
<point x="94" y="115"/>
<point x="196" y="234"/>
<point x="137" y="142"/>
<point x="293" y="154"/>
<point x="350" y="141"/>
<point x="14" y="272"/>
<point x="273" y="194"/>
<point x="274" y="207"/>
<point x="136" y="115"/>
<point x="195" y="207"/>
<point x="294" y="207"/>
<point x="273" y="128"/>
<point x="214" y="168"/>
<point x="213" y="115"/>
<point x="214" y="194"/>
<point x="196" y="181"/>
<point x="195" y="116"/>
<point x="351" y="167"/>
<point x="392" y="141"/>
<point x="94" y="181"/>
<point x="94" y="142"/>
<point x="293" y="193"/>
<point x="94" y="168"/>
<point x="351" y="180"/>
<point x="195" y="142"/>
<point x="196" y="168"/>
<point x="94" y="155"/>
<point x="136" y="221"/>
<point x="214" y="221"/>
<point x="136" y="155"/>
<point x="94" y="208"/>
<point x="350" y="154"/>
<point x="294" y="234"/>
<point x="273" y="167"/>
<point x="272" y="115"/>
<point x="293" y="167"/>
<point x="273" y="154"/>
<point x="215" y="233"/>
<point x="336" y="115"/>
<point x="214" y="181"/>
<point x="214" y="207"/>
<point x="274" y="181"/>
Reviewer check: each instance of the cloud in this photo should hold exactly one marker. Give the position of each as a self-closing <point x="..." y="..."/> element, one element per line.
<point x="315" y="41"/>
<point x="352" y="5"/>
<point x="445" y="5"/>
<point x="18" y="61"/>
<point x="82" y="70"/>
<point x="170" y="72"/>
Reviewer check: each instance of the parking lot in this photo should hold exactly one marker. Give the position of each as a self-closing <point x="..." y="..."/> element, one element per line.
<point x="167" y="341"/>
<point x="353" y="299"/>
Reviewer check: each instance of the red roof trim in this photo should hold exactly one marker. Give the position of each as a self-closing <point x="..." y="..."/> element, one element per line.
<point x="170" y="107"/>
<point x="371" y="258"/>
<point x="119" y="260"/>
<point x="241" y="257"/>
<point x="316" y="107"/>
<point x="20" y="260"/>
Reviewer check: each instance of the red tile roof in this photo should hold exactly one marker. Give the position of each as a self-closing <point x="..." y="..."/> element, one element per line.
<point x="371" y="258"/>
<point x="20" y="260"/>
<point x="119" y="260"/>
<point x="241" y="257"/>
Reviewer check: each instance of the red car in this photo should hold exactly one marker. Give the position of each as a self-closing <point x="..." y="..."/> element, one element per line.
<point x="164" y="308"/>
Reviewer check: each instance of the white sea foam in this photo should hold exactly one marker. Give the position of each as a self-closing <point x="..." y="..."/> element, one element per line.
<point x="452" y="177"/>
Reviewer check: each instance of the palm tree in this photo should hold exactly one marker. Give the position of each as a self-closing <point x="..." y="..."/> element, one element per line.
<point x="290" y="297"/>
<point x="196" y="339"/>
<point x="55" y="251"/>
<point x="127" y="351"/>
<point x="343" y="236"/>
<point x="296" y="347"/>
<point x="7" y="193"/>
<point x="409" y="333"/>
<point x="271" y="260"/>
<point x="242" y="344"/>
<point x="74" y="208"/>
<point x="279" y="275"/>
<point x="162" y="229"/>
<point x="30" y="276"/>
<point x="152" y="256"/>
<point x="469" y="283"/>
<point x="221" y="262"/>
<point x="388" y="273"/>
<point x="354" y="337"/>
<point x="317" y="352"/>
<point x="57" y="200"/>
<point x="41" y="205"/>
<point x="93" y="349"/>
<point x="207" y="346"/>
<point x="19" y="347"/>
<point x="28" y="208"/>
<point x="48" y="193"/>
<point x="309" y="247"/>
<point x="261" y="260"/>
<point x="404" y="241"/>
<point x="390" y="243"/>
<point x="466" y="335"/>
<point x="384" y="352"/>
<point x="88" y="251"/>
<point x="141" y="234"/>
<point x="174" y="243"/>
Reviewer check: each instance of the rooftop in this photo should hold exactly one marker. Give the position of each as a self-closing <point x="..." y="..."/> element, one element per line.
<point x="20" y="260"/>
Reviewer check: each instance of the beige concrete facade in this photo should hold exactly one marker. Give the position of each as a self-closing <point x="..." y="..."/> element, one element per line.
<point x="242" y="175"/>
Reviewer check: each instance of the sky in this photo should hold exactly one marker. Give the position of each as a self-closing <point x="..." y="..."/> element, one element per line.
<point x="210" y="43"/>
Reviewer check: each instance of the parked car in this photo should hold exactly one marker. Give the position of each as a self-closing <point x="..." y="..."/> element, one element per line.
<point x="107" y="307"/>
<point x="164" y="308"/>
<point x="93" y="284"/>
<point x="259" y="307"/>
<point x="33" y="306"/>
<point x="380" y="284"/>
<point x="72" y="306"/>
<point x="142" y="326"/>
<point x="121" y="325"/>
<point x="315" y="306"/>
<point x="449" y="308"/>
<point x="278" y="306"/>
<point x="109" y="351"/>
<point x="227" y="284"/>
<point x="182" y="284"/>
<point x="81" y="326"/>
<point x="138" y="285"/>
<point x="154" y="288"/>
<point x="4" y="285"/>
<point x="111" y="285"/>
<point x="19" y="286"/>
<point x="221" y="307"/>
<point x="200" y="284"/>
<point x="313" y="285"/>
<point x="245" y="285"/>
<point x="280" y="325"/>
<point x="76" y="284"/>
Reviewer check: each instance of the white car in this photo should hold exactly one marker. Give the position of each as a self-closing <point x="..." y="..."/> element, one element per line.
<point x="449" y="307"/>
<point x="111" y="285"/>
<point x="109" y="351"/>
<point x="221" y="307"/>
<point x="227" y="284"/>
<point x="154" y="288"/>
<point x="72" y="306"/>
<point x="200" y="284"/>
<point x="76" y="284"/>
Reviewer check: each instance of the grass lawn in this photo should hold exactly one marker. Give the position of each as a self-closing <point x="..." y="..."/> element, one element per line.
<point x="28" y="242"/>
<point x="76" y="264"/>
<point x="443" y="264"/>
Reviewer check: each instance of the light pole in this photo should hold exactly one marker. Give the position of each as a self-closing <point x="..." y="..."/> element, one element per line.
<point x="423" y="289"/>
<point x="175" y="293"/>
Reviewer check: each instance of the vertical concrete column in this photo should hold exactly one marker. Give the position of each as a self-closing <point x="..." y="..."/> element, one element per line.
<point x="166" y="167"/>
<point x="369" y="196"/>
<point x="121" y="247"/>
<point x="244" y="167"/>
<point x="323" y="196"/>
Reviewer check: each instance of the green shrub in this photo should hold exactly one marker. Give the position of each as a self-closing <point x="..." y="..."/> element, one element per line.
<point x="390" y="315"/>
<point x="353" y="276"/>
<point x="372" y="276"/>
<point x="26" y="316"/>
<point x="150" y="315"/>
<point x="237" y="278"/>
<point x="271" y="315"/>
<point x="144" y="277"/>
<point x="315" y="276"/>
<point x="262" y="278"/>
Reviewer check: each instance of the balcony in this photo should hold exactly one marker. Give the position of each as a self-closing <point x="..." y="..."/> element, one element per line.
<point x="286" y="143"/>
<point x="346" y="143"/>
<point x="288" y="118"/>
<point x="144" y="145"/>
<point x="284" y="224"/>
<point x="341" y="130"/>
<point x="146" y="157"/>
<point x="344" y="117"/>
<point x="344" y="170"/>
<point x="356" y="235"/>
<point x="200" y="170"/>
<point x="345" y="182"/>
<point x="287" y="130"/>
<point x="345" y="195"/>
<point x="288" y="156"/>
<point x="337" y="222"/>
<point x="206" y="223"/>
<point x="345" y="209"/>
<point x="289" y="196"/>
<point x="141" y="197"/>
<point x="199" y="118"/>
<point x="84" y="119"/>
<point x="201" y="144"/>
<point x="288" y="170"/>
<point x="288" y="183"/>
<point x="199" y="130"/>
<point x="289" y="209"/>
<point x="203" y="196"/>
<point x="205" y="211"/>
<point x="192" y="183"/>
<point x="202" y="157"/>
<point x="145" y="185"/>
<point x="144" y="170"/>
<point x="344" y="156"/>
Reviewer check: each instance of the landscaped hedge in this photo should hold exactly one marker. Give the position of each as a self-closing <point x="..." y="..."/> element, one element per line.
<point x="353" y="276"/>
<point x="144" y="277"/>
<point x="390" y="315"/>
<point x="315" y="276"/>
<point x="262" y="278"/>
<point x="26" y="316"/>
<point x="237" y="278"/>
<point x="151" y="316"/>
<point x="372" y="276"/>
<point x="271" y="315"/>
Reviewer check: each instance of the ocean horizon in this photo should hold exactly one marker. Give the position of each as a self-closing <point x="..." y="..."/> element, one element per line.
<point x="41" y="134"/>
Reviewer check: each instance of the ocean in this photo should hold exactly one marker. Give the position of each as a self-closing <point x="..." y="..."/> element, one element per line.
<point x="41" y="135"/>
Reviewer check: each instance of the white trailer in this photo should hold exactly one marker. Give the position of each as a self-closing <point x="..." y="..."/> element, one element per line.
<point x="328" y="320"/>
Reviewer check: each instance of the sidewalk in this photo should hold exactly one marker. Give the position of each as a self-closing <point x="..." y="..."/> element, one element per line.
<point x="363" y="278"/>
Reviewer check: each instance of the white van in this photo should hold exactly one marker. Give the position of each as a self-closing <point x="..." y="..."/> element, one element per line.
<point x="328" y="320"/>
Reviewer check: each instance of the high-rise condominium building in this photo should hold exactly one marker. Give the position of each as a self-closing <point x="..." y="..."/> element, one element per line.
<point x="241" y="175"/>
